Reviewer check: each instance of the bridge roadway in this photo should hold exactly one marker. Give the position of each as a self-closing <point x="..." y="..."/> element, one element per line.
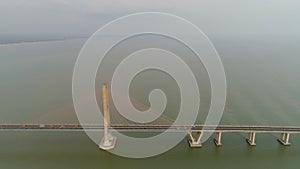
<point x="220" y="128"/>
<point x="194" y="132"/>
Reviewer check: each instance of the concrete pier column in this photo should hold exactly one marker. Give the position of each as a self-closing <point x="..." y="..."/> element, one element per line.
<point x="285" y="139"/>
<point x="251" y="139"/>
<point x="195" y="138"/>
<point x="218" y="139"/>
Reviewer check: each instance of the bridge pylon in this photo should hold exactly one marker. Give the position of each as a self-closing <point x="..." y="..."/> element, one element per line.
<point x="108" y="141"/>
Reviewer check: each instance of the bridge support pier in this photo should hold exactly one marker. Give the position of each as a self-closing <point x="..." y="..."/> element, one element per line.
<point x="251" y="139"/>
<point x="108" y="141"/>
<point x="285" y="139"/>
<point x="218" y="139"/>
<point x="195" y="139"/>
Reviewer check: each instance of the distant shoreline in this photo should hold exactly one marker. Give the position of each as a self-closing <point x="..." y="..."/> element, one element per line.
<point x="39" y="40"/>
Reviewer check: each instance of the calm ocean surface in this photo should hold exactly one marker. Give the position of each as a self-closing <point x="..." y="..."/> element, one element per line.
<point x="263" y="89"/>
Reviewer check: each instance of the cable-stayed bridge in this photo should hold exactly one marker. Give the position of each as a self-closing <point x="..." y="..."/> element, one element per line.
<point x="194" y="132"/>
<point x="161" y="124"/>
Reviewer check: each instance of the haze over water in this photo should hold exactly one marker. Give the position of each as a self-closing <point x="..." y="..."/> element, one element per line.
<point x="263" y="89"/>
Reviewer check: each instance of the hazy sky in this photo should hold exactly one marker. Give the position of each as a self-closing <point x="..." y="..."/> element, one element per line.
<point x="83" y="17"/>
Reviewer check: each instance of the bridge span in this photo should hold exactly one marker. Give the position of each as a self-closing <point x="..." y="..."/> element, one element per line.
<point x="194" y="132"/>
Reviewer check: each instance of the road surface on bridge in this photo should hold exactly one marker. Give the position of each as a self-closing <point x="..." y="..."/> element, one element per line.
<point x="179" y="128"/>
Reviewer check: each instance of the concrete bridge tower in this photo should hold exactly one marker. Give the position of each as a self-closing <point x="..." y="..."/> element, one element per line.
<point x="108" y="141"/>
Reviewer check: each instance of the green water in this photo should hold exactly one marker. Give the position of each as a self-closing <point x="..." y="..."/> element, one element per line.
<point x="75" y="150"/>
<point x="263" y="89"/>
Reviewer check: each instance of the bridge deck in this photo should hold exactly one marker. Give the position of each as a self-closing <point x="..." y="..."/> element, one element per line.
<point x="179" y="128"/>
